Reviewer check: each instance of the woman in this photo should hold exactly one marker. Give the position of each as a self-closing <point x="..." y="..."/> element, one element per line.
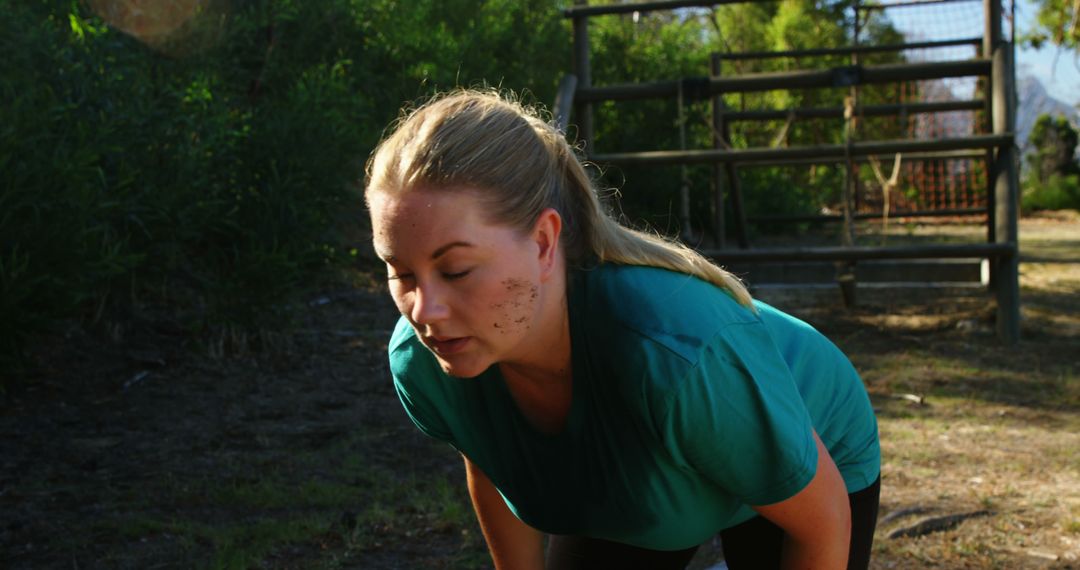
<point x="607" y="388"/>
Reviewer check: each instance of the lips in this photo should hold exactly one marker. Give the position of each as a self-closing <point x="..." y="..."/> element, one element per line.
<point x="446" y="346"/>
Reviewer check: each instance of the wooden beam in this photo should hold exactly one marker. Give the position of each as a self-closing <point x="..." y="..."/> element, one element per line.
<point x="908" y="157"/>
<point x="884" y="110"/>
<point x="802" y="152"/>
<point x="908" y="4"/>
<point x="608" y="9"/>
<point x="989" y="250"/>
<point x="847" y="50"/>
<point x="805" y="79"/>
<point x="869" y="215"/>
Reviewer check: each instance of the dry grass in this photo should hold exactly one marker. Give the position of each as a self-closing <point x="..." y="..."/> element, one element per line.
<point x="997" y="431"/>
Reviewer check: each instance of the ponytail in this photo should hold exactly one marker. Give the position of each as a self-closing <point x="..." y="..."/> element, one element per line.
<point x="606" y="240"/>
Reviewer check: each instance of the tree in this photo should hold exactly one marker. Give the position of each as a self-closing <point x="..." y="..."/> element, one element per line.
<point x="1054" y="143"/>
<point x="1056" y="21"/>
<point x="1053" y="178"/>
<point x="159" y="168"/>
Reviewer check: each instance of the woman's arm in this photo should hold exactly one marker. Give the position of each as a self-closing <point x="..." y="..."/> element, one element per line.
<point x="512" y="543"/>
<point x="817" y="520"/>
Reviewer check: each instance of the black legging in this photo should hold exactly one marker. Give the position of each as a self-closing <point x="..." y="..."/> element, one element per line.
<point x="583" y="553"/>
<point x="756" y="543"/>
<point x="753" y="544"/>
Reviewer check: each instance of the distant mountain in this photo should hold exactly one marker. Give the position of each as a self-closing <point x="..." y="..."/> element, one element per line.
<point x="1032" y="101"/>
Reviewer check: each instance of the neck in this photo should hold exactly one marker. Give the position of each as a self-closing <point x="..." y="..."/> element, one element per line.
<point x="540" y="380"/>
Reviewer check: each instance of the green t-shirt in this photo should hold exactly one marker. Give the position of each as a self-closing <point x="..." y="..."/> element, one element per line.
<point x="687" y="408"/>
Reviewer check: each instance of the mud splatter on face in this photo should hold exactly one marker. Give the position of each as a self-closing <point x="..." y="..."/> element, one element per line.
<point x="515" y="312"/>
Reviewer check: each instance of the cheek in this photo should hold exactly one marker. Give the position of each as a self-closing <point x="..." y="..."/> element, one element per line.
<point x="514" y="311"/>
<point x="402" y="301"/>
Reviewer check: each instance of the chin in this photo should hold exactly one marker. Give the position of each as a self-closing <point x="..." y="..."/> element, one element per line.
<point x="462" y="369"/>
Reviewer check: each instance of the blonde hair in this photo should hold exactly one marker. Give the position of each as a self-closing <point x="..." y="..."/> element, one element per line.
<point x="521" y="164"/>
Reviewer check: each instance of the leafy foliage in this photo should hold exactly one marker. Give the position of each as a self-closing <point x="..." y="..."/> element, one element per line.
<point x="1054" y="142"/>
<point x="1058" y="192"/>
<point x="1052" y="180"/>
<point x="203" y="183"/>
<point x="1055" y="23"/>
<point x="1053" y="174"/>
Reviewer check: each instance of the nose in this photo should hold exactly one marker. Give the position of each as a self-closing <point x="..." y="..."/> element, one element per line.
<point x="428" y="305"/>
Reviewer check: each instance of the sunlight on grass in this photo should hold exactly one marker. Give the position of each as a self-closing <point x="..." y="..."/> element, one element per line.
<point x="959" y="454"/>
<point x="975" y="372"/>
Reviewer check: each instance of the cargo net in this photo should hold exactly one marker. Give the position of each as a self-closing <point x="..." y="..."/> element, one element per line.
<point x="955" y="183"/>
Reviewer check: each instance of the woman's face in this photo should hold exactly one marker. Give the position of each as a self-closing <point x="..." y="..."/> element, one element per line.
<point x="469" y="287"/>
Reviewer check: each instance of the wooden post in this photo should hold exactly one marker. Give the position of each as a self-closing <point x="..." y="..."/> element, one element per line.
<point x="856" y="124"/>
<point x="687" y="230"/>
<point x="582" y="110"/>
<point x="984" y="50"/>
<point x="719" y="171"/>
<point x="564" y="101"/>
<point x="731" y="171"/>
<point x="1006" y="183"/>
<point x="845" y="270"/>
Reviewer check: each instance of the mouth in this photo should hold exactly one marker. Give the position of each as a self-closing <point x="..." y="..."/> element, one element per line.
<point x="446" y="346"/>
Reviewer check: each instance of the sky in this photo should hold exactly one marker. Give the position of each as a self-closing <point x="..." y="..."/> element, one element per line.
<point x="1062" y="80"/>
<point x="1057" y="72"/>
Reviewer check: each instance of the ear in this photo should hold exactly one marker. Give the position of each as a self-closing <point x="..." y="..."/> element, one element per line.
<point x="546" y="234"/>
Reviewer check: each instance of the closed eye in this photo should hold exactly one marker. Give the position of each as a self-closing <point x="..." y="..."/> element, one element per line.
<point x="454" y="276"/>
<point x="399" y="276"/>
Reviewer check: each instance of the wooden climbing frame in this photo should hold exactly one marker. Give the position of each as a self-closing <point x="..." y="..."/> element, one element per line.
<point x="577" y="94"/>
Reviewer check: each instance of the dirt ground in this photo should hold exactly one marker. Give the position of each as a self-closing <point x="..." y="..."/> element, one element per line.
<point x="142" y="453"/>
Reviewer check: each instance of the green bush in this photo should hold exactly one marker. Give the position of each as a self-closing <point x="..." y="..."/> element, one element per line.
<point x="1060" y="192"/>
<point x="205" y="181"/>
<point x="1052" y="179"/>
<point x="135" y="183"/>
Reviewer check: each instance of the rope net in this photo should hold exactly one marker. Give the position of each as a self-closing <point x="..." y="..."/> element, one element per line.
<point x="937" y="185"/>
<point x="943" y="184"/>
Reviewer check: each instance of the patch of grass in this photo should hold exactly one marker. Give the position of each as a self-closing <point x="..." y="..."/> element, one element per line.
<point x="982" y="374"/>
<point x="280" y="492"/>
<point x="243" y="545"/>
<point x="1072" y="526"/>
<point x="235" y="544"/>
<point x="433" y="503"/>
<point x="350" y="511"/>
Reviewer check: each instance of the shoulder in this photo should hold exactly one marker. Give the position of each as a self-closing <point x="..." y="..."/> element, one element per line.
<point x="795" y="339"/>
<point x="675" y="311"/>
<point x="645" y="331"/>
<point x="403" y="337"/>
<point x="406" y="351"/>
<point x="420" y="384"/>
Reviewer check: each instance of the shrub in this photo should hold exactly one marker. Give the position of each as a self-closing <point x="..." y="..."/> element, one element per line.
<point x="204" y="183"/>
<point x="1060" y="192"/>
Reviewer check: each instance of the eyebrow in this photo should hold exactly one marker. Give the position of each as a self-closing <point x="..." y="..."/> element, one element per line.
<point x="435" y="255"/>
<point x="442" y="250"/>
